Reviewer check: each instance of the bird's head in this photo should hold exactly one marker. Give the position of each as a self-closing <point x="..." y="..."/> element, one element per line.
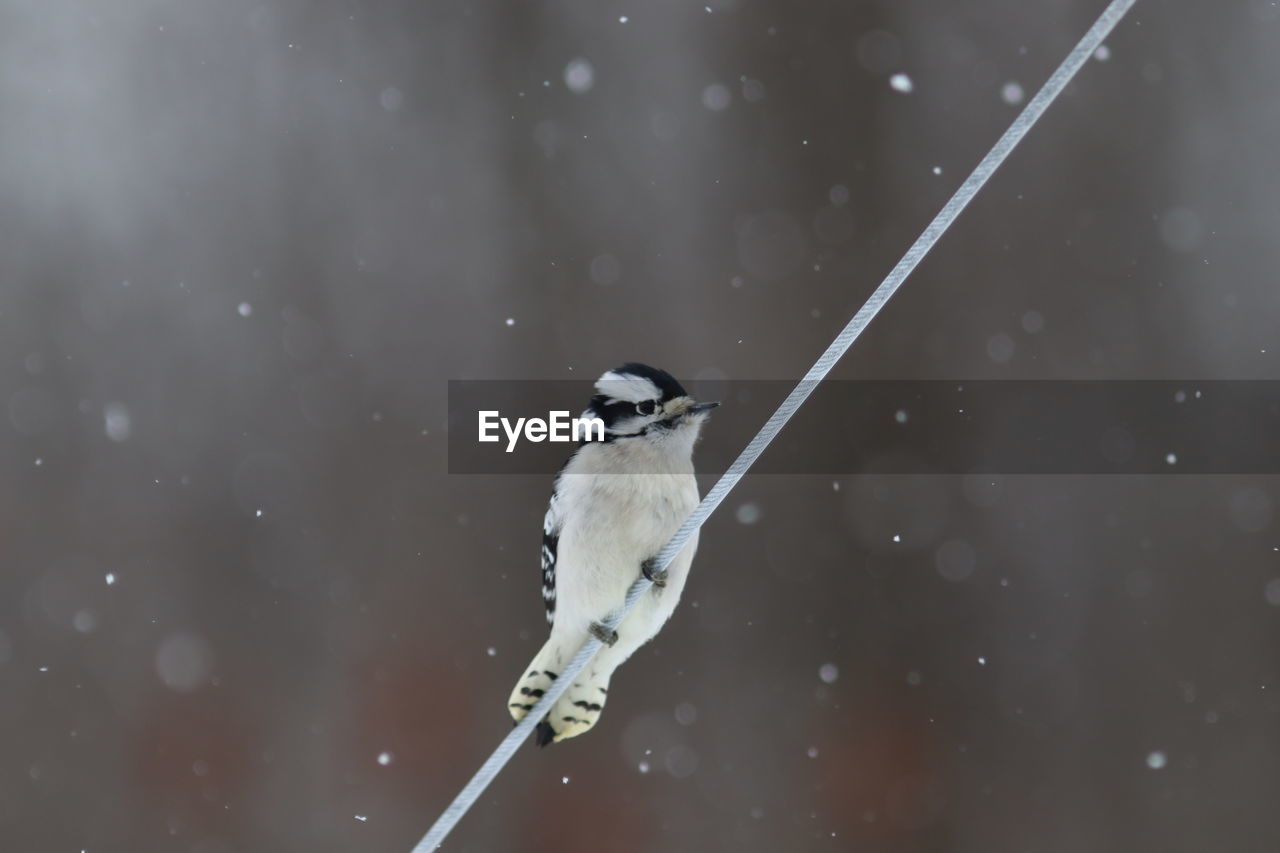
<point x="641" y="403"/>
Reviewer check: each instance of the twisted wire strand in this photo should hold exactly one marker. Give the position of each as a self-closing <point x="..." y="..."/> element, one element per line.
<point x="1035" y="108"/>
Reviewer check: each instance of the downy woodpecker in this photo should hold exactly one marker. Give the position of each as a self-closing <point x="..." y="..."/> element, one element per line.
<point x="614" y="505"/>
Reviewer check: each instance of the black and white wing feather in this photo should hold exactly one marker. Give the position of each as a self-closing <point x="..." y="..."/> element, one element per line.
<point x="550" y="541"/>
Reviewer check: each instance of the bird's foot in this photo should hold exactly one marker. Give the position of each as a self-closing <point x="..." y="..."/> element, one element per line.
<point x="658" y="579"/>
<point x="603" y="634"/>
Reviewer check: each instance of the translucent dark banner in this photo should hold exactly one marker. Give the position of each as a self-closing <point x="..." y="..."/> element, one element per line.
<point x="888" y="427"/>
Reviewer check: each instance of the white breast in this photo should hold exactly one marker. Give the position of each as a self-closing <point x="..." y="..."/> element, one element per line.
<point x="615" y="520"/>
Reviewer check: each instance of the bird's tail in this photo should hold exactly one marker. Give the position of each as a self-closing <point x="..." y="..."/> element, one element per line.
<point x="577" y="710"/>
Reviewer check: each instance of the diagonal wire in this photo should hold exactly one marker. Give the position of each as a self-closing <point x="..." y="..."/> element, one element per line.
<point x="926" y="241"/>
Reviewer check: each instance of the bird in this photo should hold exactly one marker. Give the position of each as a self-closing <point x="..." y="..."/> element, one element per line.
<point x="614" y="504"/>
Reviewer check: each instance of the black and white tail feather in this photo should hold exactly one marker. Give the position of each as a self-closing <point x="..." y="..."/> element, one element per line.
<point x="613" y="506"/>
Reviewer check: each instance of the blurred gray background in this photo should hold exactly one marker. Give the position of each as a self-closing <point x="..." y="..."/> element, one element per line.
<point x="244" y="245"/>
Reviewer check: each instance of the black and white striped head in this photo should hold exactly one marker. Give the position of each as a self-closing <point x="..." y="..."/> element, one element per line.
<point x="636" y="401"/>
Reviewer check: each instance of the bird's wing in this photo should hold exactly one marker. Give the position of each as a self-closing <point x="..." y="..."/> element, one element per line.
<point x="551" y="525"/>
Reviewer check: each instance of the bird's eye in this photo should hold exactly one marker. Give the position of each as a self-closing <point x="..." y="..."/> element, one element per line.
<point x="647" y="407"/>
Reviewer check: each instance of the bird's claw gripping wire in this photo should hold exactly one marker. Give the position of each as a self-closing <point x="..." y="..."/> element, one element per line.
<point x="655" y="577"/>
<point x="603" y="634"/>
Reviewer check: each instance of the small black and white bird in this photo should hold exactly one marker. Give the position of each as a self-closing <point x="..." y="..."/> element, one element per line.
<point x="614" y="505"/>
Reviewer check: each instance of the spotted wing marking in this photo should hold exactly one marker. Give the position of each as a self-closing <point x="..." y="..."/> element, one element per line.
<point x="550" y="542"/>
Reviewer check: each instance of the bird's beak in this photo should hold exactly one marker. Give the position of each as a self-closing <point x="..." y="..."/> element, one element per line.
<point x="699" y="408"/>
